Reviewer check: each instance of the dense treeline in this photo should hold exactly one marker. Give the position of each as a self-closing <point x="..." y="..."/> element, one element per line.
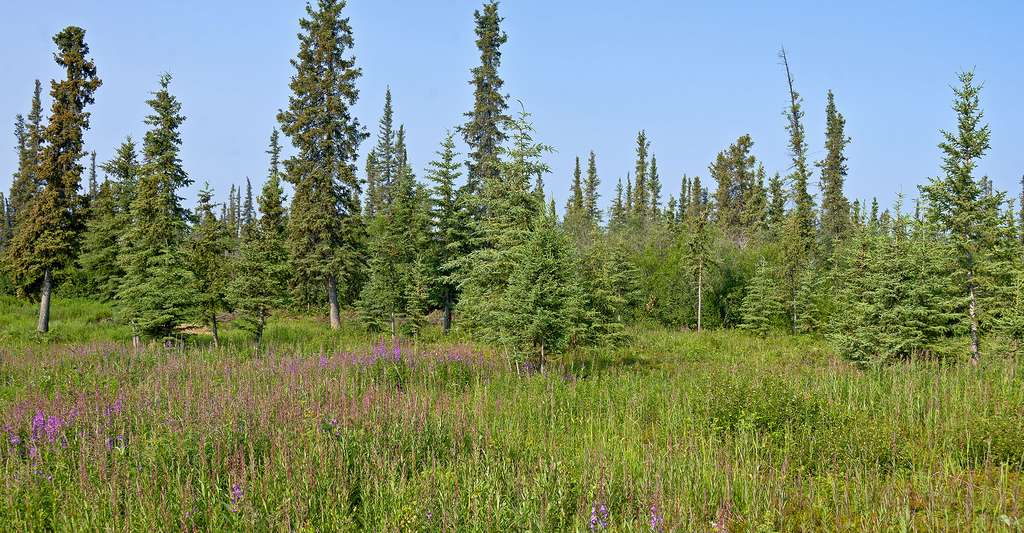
<point x="478" y="240"/>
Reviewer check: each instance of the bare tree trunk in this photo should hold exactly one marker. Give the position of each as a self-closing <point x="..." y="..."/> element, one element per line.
<point x="43" y="325"/>
<point x="213" y="326"/>
<point x="542" y="356"/>
<point x="700" y="293"/>
<point x="447" y="321"/>
<point x="972" y="312"/>
<point x="394" y="329"/>
<point x="332" y="297"/>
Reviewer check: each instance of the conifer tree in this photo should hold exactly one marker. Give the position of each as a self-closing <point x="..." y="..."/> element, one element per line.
<point x="324" y="225"/>
<point x="733" y="170"/>
<point x="654" y="186"/>
<point x="799" y="231"/>
<point x="629" y="207"/>
<point x="616" y="212"/>
<point x="208" y="243"/>
<point x="102" y="241"/>
<point x="776" y="204"/>
<point x="46" y="238"/>
<point x="248" y="212"/>
<point x="450" y="225"/>
<point x="684" y="198"/>
<point x="577" y="220"/>
<point x="641" y="192"/>
<point x="94" y="186"/>
<point x="958" y="203"/>
<point x="897" y="297"/>
<point x="385" y="159"/>
<point x="511" y="211"/>
<point x="544" y="302"/>
<point x="261" y="275"/>
<point x="27" y="182"/>
<point x="157" y="292"/>
<point x="484" y="131"/>
<point x="590" y="194"/>
<point x="762" y="306"/>
<point x="835" y="208"/>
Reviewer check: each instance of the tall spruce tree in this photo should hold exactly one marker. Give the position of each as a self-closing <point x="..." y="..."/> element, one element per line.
<point x="734" y="172"/>
<point x="385" y="160"/>
<point x="803" y="210"/>
<point x="324" y="225"/>
<point x="590" y="194"/>
<point x="157" y="292"/>
<point x="835" y="208"/>
<point x="101" y="244"/>
<point x="654" y="188"/>
<point x="261" y="274"/>
<point x="484" y="131"/>
<point x="958" y="203"/>
<point x="799" y="232"/>
<point x="29" y="133"/>
<point x="450" y="225"/>
<point x="247" y="214"/>
<point x="46" y="238"/>
<point x="641" y="194"/>
<point x="208" y="243"/>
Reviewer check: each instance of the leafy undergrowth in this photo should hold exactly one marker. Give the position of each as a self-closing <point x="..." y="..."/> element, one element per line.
<point x="326" y="430"/>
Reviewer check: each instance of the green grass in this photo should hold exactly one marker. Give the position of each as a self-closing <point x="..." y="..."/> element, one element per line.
<point x="716" y="429"/>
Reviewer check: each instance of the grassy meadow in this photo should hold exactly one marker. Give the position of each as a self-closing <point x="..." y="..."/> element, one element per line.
<point x="324" y="431"/>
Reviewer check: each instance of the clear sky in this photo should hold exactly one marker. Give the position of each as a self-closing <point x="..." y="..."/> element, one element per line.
<point x="593" y="73"/>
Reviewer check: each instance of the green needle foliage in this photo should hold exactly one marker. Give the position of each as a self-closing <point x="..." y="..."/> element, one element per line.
<point x="762" y="307"/>
<point x="262" y="274"/>
<point x="324" y="226"/>
<point x="46" y="238"/>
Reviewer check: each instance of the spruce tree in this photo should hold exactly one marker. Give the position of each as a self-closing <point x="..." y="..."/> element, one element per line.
<point x="324" y="225"/>
<point x="543" y="305"/>
<point x="46" y="238"/>
<point x="776" y="204"/>
<point x="835" y="208"/>
<point x="957" y="202"/>
<point x="94" y="186"/>
<point x="654" y="188"/>
<point x="734" y="172"/>
<point x="641" y="193"/>
<point x="261" y="275"/>
<point x="450" y="225"/>
<point x="157" y="292"/>
<point x="207" y="246"/>
<point x="484" y="131"/>
<point x="577" y="220"/>
<point x="102" y="242"/>
<point x="27" y="182"/>
<point x="803" y="210"/>
<point x="590" y="194"/>
<point x="385" y="162"/>
<point x="248" y="212"/>
<point x="762" y="306"/>
<point x="511" y="211"/>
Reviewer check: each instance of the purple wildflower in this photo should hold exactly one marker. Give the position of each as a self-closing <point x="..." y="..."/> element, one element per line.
<point x="236" y="496"/>
<point x="598" y="517"/>
<point x="657" y="522"/>
<point x="323" y="361"/>
<point x="398" y="352"/>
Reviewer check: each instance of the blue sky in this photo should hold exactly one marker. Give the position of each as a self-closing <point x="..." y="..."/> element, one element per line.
<point x="592" y="73"/>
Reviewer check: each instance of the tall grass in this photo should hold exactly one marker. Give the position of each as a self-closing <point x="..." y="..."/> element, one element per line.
<point x="327" y="431"/>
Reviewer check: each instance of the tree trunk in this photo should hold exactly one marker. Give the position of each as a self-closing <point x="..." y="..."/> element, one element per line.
<point x="447" y="321"/>
<point x="542" y="356"/>
<point x="700" y="293"/>
<point x="394" y="328"/>
<point x="972" y="312"/>
<point x="332" y="297"/>
<point x="260" y="324"/>
<point x="213" y="327"/>
<point x="43" y="325"/>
